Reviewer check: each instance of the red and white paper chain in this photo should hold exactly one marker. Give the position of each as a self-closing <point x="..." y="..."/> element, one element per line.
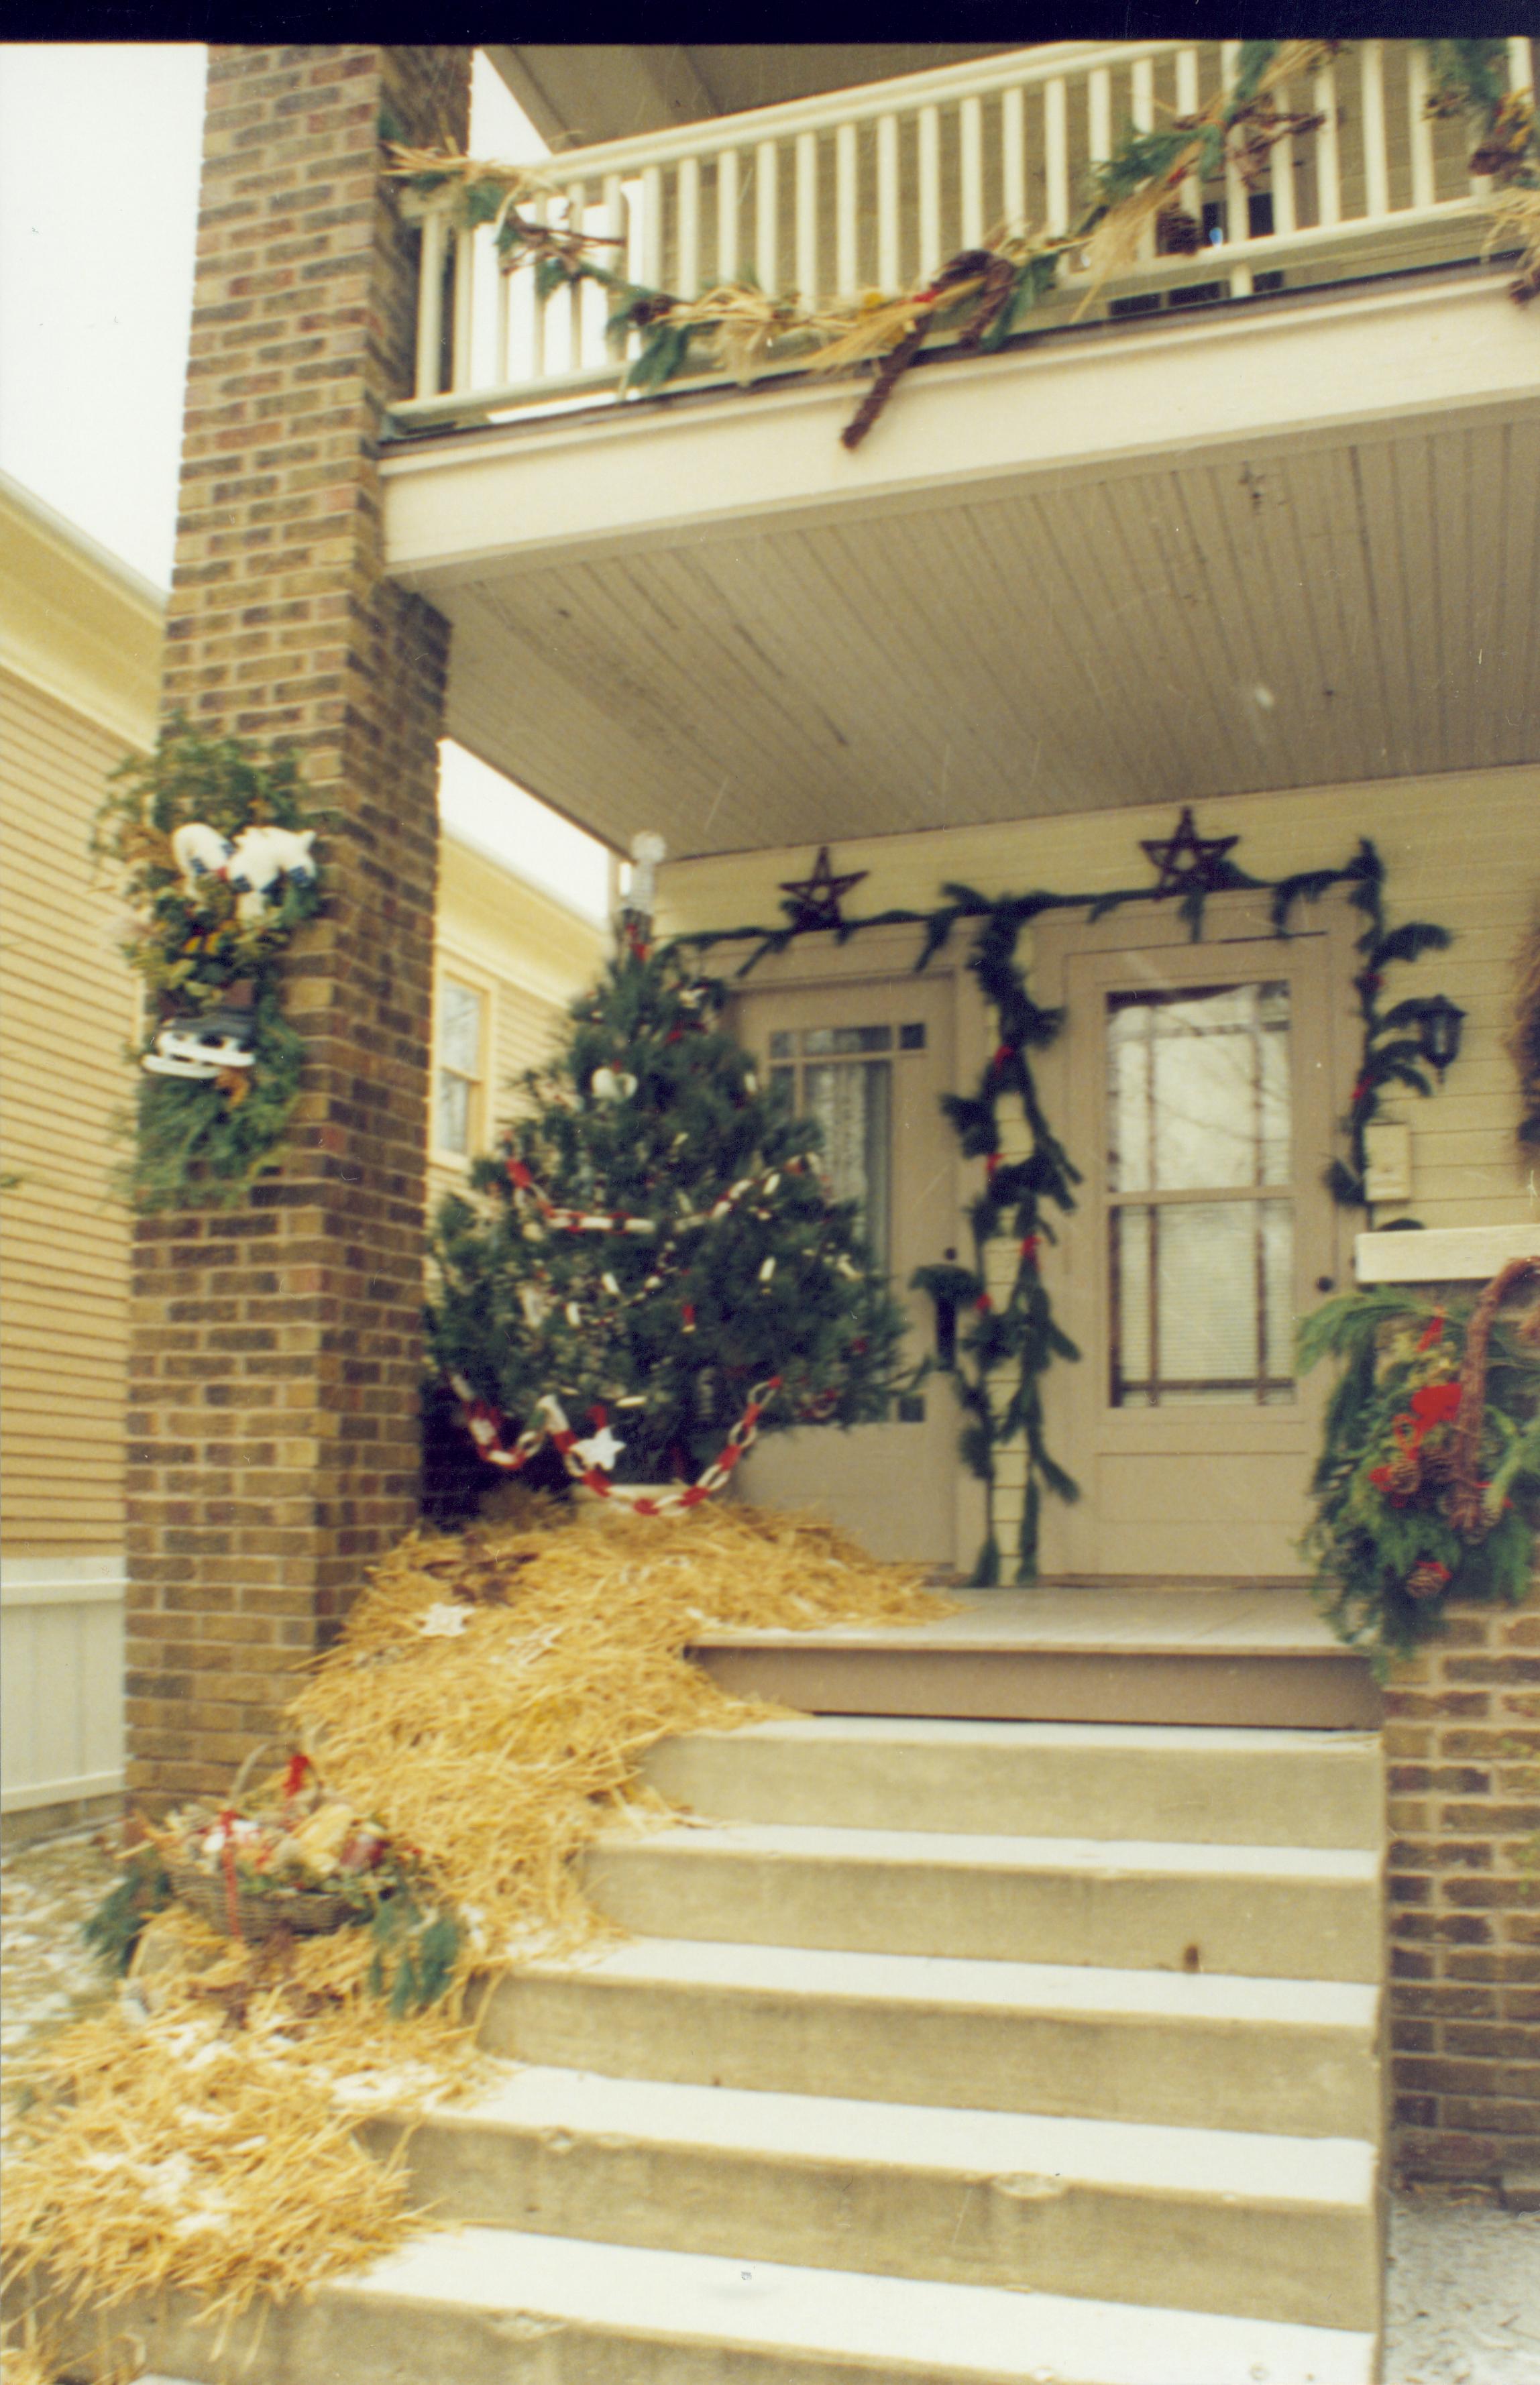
<point x="621" y="1221"/>
<point x="486" y="1425"/>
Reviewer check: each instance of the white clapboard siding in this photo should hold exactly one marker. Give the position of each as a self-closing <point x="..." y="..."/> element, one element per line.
<point x="67" y="1013"/>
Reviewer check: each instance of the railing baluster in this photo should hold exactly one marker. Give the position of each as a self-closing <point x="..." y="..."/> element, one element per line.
<point x="501" y="369"/>
<point x="1099" y="114"/>
<point x="1013" y="156"/>
<point x="537" y="312"/>
<point x="1328" y="164"/>
<point x="929" y="190"/>
<point x="1236" y="213"/>
<point x="887" y="202"/>
<point x="430" y="304"/>
<point x="1521" y="64"/>
<point x="1186" y="105"/>
<point x="726" y="214"/>
<point x="806" y="216"/>
<point x="465" y="288"/>
<point x="616" y="225"/>
<point x="767" y="209"/>
<point x="688" y="203"/>
<point x="1144" y="121"/>
<point x="652" y="226"/>
<point x="577" y="208"/>
<point x="847" y="271"/>
<point x="1056" y="152"/>
<point x="1420" y="128"/>
<point x="1376" y="167"/>
<point x="970" y="139"/>
<point x="1281" y="166"/>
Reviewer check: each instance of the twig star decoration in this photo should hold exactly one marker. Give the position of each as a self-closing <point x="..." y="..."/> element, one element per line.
<point x="816" y="901"/>
<point x="1189" y="862"/>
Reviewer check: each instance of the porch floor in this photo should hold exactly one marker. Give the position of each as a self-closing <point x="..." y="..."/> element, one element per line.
<point x="1249" y="1655"/>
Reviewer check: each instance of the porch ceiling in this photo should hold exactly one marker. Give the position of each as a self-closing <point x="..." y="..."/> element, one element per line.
<point x="1217" y="614"/>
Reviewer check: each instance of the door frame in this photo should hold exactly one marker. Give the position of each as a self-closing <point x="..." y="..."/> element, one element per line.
<point x="886" y="956"/>
<point x="1072" y="1270"/>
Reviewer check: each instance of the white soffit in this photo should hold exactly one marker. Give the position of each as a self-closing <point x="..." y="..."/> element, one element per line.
<point x="1296" y="548"/>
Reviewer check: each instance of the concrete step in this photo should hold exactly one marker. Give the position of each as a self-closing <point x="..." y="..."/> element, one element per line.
<point x="1208" y="1654"/>
<point x="1129" y="1903"/>
<point x="1112" y="1780"/>
<point x="1283" y="2056"/>
<point x="1279" y="2227"/>
<point x="489" y="2306"/>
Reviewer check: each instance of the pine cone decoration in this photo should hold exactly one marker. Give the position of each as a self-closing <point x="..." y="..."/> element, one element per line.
<point x="1403" y="1476"/>
<point x="1177" y="233"/>
<point x="1427" y="1580"/>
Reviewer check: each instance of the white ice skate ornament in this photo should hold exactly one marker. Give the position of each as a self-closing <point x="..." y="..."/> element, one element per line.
<point x="259" y="861"/>
<point x="200" y="853"/>
<point x="646" y="850"/>
<point x="612" y="1085"/>
<point x="201" y="1047"/>
<point x="255" y="865"/>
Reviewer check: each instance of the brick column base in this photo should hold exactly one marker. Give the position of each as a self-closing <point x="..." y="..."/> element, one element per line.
<point x="1462" y="1748"/>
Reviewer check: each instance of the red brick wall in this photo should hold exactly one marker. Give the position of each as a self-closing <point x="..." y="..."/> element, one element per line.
<point x="272" y="1427"/>
<point x="1462" y="1748"/>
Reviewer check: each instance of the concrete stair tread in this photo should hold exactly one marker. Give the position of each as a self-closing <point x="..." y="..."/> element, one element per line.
<point x="1215" y="1621"/>
<point x="1234" y="2165"/>
<point x="897" y="2327"/>
<point x="816" y="1974"/>
<point x="1158" y="1739"/>
<point x="1101" y="1858"/>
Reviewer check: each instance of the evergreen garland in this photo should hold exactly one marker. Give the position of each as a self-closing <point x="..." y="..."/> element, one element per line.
<point x="1021" y="1331"/>
<point x="979" y="298"/>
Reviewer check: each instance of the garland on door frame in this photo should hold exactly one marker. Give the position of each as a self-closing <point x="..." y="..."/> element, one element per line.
<point x="1019" y="1330"/>
<point x="982" y="297"/>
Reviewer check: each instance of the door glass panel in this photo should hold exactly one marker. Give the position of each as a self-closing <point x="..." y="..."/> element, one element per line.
<point x="1199" y="1100"/>
<point x="852" y="1101"/>
<point x="1199" y="1089"/>
<point x="1202" y="1303"/>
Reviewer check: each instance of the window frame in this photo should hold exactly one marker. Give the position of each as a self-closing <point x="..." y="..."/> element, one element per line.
<point x="450" y="969"/>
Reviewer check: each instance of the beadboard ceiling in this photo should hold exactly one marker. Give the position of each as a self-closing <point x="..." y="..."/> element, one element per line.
<point x="1365" y="608"/>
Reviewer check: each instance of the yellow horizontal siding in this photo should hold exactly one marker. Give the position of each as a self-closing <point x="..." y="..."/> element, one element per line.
<point x="68" y="1007"/>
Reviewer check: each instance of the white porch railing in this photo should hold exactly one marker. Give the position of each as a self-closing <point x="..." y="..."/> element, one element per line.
<point x="875" y="187"/>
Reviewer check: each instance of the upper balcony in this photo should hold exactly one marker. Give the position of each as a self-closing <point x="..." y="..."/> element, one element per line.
<point x="1252" y="514"/>
<point x="875" y="187"/>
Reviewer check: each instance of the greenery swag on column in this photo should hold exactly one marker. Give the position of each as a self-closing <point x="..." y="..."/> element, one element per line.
<point x="1017" y="1197"/>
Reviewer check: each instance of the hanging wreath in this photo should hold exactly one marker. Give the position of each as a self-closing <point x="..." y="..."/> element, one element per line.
<point x="1428" y="1486"/>
<point x="215" y="861"/>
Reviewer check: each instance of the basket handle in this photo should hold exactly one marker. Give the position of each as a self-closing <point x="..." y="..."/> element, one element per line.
<point x="248" y="1764"/>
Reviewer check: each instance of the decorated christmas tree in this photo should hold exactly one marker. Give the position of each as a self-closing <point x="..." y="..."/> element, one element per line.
<point x="652" y="1271"/>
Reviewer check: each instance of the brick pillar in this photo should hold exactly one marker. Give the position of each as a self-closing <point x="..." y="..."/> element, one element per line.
<point x="1462" y="1747"/>
<point x="272" y="1427"/>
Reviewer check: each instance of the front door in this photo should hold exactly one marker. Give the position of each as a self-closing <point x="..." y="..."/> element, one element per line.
<point x="1199" y="1085"/>
<point x="869" y="1056"/>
